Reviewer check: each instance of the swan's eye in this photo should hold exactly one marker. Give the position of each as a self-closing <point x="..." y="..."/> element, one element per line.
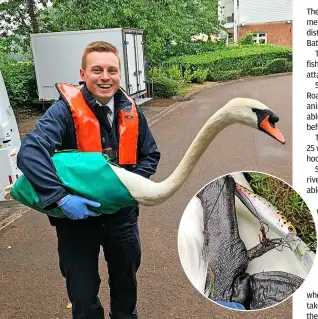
<point x="273" y="118"/>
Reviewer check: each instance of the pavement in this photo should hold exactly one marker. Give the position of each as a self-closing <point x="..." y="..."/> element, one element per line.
<point x="30" y="282"/>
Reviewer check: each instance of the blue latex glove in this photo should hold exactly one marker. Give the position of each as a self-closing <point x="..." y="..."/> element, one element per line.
<point x="75" y="207"/>
<point x="232" y="305"/>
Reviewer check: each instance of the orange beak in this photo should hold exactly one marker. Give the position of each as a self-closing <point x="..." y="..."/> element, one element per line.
<point x="272" y="130"/>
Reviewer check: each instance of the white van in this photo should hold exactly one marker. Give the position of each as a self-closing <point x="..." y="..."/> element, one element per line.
<point x="10" y="141"/>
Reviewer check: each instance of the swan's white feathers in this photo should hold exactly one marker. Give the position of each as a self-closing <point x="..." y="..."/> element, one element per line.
<point x="190" y="244"/>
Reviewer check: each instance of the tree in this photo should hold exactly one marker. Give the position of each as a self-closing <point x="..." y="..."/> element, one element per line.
<point x="165" y="21"/>
<point x="19" y="19"/>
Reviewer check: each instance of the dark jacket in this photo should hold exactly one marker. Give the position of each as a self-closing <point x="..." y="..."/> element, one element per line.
<point x="55" y="131"/>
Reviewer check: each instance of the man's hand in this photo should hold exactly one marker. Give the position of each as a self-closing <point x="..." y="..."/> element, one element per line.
<point x="76" y="207"/>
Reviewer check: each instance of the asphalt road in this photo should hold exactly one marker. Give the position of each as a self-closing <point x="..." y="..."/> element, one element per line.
<point x="30" y="283"/>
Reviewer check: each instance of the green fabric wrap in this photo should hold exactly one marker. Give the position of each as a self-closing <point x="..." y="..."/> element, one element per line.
<point x="85" y="174"/>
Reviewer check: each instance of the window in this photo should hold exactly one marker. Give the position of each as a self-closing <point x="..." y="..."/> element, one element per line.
<point x="260" y="38"/>
<point x="230" y="19"/>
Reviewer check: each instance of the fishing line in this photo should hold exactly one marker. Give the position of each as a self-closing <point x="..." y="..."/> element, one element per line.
<point x="287" y="243"/>
<point x="261" y="222"/>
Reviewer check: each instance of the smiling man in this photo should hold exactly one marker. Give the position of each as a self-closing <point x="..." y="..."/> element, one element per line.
<point x="101" y="73"/>
<point x="98" y="117"/>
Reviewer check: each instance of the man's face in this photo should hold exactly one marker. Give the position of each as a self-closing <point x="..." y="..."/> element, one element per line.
<point x="102" y="75"/>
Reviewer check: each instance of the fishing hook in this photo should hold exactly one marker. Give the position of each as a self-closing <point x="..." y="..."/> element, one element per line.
<point x="263" y="232"/>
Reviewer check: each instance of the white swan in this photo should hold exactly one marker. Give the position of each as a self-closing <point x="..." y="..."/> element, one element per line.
<point x="245" y="111"/>
<point x="239" y="110"/>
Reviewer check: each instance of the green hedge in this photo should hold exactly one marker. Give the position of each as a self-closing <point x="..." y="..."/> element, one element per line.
<point x="290" y="66"/>
<point x="165" y="87"/>
<point x="272" y="67"/>
<point x="259" y="70"/>
<point x="278" y="66"/>
<point x="20" y="82"/>
<point x="229" y="75"/>
<point x="230" y="63"/>
<point x="241" y="58"/>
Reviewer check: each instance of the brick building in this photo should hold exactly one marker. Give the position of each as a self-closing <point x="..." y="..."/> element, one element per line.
<point x="270" y="21"/>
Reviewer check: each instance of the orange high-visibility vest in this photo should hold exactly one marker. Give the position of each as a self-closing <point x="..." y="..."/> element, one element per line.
<point x="87" y="128"/>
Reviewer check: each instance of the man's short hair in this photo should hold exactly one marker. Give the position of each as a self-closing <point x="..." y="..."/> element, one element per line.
<point x="98" y="46"/>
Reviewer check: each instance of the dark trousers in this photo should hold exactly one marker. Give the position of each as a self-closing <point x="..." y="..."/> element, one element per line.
<point x="78" y="247"/>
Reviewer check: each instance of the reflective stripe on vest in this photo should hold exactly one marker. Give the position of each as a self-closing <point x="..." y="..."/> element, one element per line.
<point x="87" y="126"/>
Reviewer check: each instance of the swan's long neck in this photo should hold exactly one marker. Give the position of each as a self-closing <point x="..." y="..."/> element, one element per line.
<point x="149" y="193"/>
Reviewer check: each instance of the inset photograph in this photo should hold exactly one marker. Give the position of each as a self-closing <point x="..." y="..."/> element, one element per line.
<point x="247" y="241"/>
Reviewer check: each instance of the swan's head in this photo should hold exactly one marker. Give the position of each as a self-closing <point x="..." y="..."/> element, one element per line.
<point x="256" y="114"/>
